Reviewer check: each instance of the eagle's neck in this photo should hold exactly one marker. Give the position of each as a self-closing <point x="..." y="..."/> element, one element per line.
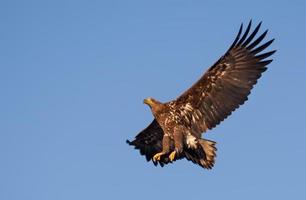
<point x="158" y="108"/>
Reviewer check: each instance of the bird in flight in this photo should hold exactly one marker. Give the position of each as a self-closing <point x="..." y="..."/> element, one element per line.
<point x="175" y="133"/>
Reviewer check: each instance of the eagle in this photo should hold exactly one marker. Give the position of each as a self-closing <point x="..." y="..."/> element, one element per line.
<point x="175" y="132"/>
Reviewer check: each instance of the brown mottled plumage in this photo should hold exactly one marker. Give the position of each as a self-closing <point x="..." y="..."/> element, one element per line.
<point x="176" y="131"/>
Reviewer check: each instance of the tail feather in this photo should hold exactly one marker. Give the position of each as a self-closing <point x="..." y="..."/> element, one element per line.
<point x="204" y="155"/>
<point x="210" y="149"/>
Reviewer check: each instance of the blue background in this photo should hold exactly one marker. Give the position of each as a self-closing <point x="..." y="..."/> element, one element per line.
<point x="73" y="75"/>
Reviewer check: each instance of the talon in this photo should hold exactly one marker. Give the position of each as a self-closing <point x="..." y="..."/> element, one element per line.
<point x="172" y="155"/>
<point x="157" y="156"/>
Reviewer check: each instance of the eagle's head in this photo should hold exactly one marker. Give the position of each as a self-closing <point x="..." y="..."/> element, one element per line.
<point x="155" y="105"/>
<point x="151" y="102"/>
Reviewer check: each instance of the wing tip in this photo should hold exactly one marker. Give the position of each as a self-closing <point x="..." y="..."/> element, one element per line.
<point x="129" y="142"/>
<point x="241" y="40"/>
<point x="237" y="37"/>
<point x="266" y="62"/>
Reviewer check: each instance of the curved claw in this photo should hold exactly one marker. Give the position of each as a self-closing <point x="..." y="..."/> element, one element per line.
<point x="172" y="155"/>
<point x="157" y="156"/>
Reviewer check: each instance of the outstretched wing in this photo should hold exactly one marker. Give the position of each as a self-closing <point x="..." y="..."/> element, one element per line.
<point x="149" y="142"/>
<point x="226" y="85"/>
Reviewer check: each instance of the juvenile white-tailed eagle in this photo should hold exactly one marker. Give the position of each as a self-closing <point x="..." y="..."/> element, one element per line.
<point x="176" y="130"/>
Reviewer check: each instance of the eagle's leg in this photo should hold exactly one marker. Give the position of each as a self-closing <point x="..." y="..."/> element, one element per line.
<point x="166" y="148"/>
<point x="178" y="143"/>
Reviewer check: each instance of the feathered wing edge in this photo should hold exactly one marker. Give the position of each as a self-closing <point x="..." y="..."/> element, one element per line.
<point x="226" y="85"/>
<point x="245" y="42"/>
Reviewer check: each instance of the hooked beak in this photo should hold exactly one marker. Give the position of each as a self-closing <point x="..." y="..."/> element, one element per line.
<point x="147" y="101"/>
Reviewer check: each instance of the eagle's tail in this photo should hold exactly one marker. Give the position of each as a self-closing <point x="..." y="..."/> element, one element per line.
<point x="210" y="149"/>
<point x="204" y="155"/>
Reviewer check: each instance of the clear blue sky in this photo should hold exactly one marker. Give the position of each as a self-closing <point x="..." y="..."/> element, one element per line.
<point x="73" y="75"/>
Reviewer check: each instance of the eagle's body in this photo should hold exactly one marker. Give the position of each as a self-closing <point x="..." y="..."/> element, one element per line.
<point x="176" y="131"/>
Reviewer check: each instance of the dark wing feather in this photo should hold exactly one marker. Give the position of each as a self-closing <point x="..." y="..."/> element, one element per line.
<point x="227" y="84"/>
<point x="149" y="142"/>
